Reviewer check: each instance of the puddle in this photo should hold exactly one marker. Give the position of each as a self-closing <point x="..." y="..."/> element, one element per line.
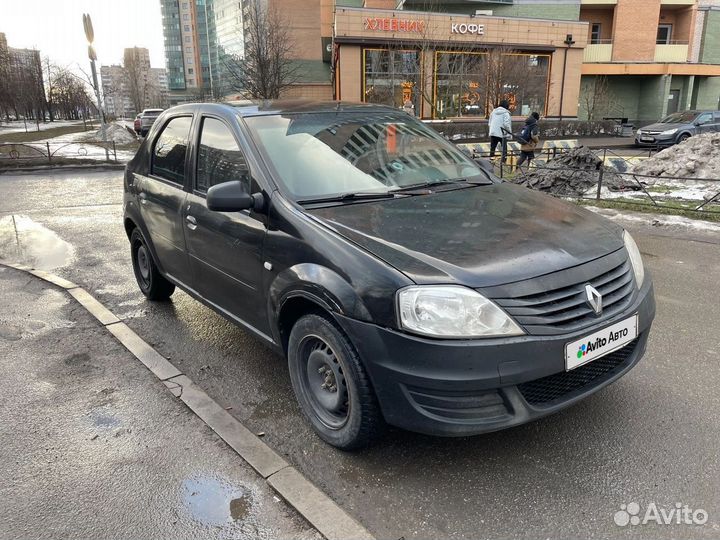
<point x="215" y="502"/>
<point x="25" y="241"/>
<point x="103" y="419"/>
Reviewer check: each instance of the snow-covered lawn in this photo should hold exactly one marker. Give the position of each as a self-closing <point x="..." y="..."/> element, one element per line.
<point x="19" y="126"/>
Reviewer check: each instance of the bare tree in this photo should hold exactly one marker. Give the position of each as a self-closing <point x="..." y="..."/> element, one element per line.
<point x="596" y="100"/>
<point x="267" y="67"/>
<point x="136" y="72"/>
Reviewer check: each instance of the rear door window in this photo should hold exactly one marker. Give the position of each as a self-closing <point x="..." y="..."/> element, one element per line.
<point x="170" y="150"/>
<point x="219" y="157"/>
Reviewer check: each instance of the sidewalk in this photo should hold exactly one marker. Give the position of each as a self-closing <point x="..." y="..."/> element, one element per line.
<point x="94" y="446"/>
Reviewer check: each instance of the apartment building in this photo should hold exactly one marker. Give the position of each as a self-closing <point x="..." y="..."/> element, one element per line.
<point x="644" y="58"/>
<point x="635" y="59"/>
<point x="134" y="86"/>
<point x="190" y="48"/>
<point x="651" y="57"/>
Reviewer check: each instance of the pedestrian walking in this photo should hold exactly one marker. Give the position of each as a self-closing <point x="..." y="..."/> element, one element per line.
<point x="529" y="139"/>
<point x="408" y="107"/>
<point x="500" y="128"/>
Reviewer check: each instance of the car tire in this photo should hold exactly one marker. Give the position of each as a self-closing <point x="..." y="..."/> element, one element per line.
<point x="331" y="385"/>
<point x="683" y="137"/>
<point x="152" y="284"/>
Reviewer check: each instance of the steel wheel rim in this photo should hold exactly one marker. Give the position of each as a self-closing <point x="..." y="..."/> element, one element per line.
<point x="142" y="266"/>
<point x="323" y="382"/>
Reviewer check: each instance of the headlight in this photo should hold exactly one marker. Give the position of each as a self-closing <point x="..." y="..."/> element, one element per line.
<point x="450" y="311"/>
<point x="669" y="132"/>
<point x="635" y="258"/>
<point x="639" y="131"/>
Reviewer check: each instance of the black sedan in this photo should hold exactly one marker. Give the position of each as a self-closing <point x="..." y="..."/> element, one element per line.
<point x="403" y="283"/>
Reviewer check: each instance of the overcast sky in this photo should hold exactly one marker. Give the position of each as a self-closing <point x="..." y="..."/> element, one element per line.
<point x="55" y="27"/>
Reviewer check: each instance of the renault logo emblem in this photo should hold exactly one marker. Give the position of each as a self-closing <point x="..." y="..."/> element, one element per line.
<point x="593" y="299"/>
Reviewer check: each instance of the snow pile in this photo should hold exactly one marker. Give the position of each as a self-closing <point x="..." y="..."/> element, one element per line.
<point x="116" y="133"/>
<point x="697" y="157"/>
<point x="573" y="174"/>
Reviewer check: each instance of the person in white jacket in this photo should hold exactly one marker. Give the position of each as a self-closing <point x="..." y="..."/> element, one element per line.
<point x="500" y="128"/>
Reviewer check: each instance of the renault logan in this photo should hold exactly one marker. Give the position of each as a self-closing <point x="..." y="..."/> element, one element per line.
<point x="404" y="284"/>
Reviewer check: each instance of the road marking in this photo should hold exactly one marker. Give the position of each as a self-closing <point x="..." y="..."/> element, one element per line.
<point x="308" y="500"/>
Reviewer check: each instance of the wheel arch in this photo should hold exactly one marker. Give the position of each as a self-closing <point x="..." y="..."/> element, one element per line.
<point x="310" y="288"/>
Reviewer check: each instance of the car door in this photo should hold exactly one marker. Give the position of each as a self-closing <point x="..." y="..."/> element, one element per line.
<point x="162" y="195"/>
<point x="225" y="248"/>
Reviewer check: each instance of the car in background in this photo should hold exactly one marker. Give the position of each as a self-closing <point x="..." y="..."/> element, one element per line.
<point x="137" y="124"/>
<point x="402" y="282"/>
<point x="678" y="127"/>
<point x="147" y="119"/>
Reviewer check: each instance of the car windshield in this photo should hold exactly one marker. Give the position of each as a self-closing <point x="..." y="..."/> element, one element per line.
<point x="321" y="155"/>
<point x="679" y="118"/>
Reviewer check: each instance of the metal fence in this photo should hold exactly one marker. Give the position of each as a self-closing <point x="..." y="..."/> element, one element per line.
<point x="696" y="196"/>
<point x="47" y="152"/>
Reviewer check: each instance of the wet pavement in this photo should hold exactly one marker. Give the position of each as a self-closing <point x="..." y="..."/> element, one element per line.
<point x="93" y="446"/>
<point x="650" y="437"/>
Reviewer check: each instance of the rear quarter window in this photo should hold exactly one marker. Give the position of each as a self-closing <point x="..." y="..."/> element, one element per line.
<point x="170" y="148"/>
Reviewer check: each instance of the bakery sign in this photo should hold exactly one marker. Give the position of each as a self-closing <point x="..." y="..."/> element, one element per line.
<point x="392" y="24"/>
<point x="463" y="28"/>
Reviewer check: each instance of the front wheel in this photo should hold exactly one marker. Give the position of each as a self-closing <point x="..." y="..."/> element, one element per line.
<point x="684" y="137"/>
<point x="331" y="385"/>
<point x="152" y="284"/>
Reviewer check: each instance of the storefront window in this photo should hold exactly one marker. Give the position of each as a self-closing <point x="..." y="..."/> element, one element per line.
<point x="471" y="84"/>
<point x="392" y="77"/>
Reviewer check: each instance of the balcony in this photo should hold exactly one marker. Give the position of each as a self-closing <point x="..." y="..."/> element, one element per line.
<point x="599" y="52"/>
<point x="677" y="2"/>
<point x="671" y="52"/>
<point x="598" y="3"/>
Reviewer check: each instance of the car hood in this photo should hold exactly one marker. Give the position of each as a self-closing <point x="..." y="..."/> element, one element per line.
<point x="662" y="127"/>
<point x="479" y="236"/>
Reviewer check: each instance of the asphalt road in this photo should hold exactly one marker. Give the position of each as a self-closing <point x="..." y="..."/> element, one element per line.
<point x="652" y="437"/>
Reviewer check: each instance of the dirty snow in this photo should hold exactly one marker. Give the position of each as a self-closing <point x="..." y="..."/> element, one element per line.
<point x="656" y="220"/>
<point x="573" y="173"/>
<point x="697" y="157"/>
<point x="16" y="126"/>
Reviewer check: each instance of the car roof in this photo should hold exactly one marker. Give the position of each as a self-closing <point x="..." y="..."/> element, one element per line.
<point x="247" y="108"/>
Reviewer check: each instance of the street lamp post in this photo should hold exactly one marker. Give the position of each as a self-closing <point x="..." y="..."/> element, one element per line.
<point x="90" y="35"/>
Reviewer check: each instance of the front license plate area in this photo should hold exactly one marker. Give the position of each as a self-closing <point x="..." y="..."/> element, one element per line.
<point x="647" y="139"/>
<point x="600" y="343"/>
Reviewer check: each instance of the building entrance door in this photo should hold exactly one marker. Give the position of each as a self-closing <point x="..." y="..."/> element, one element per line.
<point x="673" y="101"/>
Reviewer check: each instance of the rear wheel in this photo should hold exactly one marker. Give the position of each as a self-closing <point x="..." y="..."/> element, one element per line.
<point x="152" y="284"/>
<point x="331" y="385"/>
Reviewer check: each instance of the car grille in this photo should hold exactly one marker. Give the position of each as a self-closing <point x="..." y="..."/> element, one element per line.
<point x="564" y="309"/>
<point x="460" y="405"/>
<point x="553" y="388"/>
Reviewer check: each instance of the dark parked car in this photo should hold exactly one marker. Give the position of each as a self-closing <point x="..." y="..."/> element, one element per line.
<point x="678" y="127"/>
<point x="403" y="282"/>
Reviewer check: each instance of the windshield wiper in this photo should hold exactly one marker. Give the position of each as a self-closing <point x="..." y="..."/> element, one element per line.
<point x="437" y="183"/>
<point x="357" y="196"/>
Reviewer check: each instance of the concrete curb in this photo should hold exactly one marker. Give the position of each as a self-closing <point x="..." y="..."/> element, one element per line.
<point x="307" y="499"/>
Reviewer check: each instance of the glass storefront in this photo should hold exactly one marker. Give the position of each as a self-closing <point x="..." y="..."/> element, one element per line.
<point x="392" y="77"/>
<point x="472" y="84"/>
<point x="463" y="83"/>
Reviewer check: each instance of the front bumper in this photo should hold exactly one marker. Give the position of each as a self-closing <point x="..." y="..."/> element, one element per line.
<point x="655" y="140"/>
<point x="458" y="388"/>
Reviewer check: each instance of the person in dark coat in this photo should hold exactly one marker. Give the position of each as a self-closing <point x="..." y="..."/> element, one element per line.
<point x="529" y="139"/>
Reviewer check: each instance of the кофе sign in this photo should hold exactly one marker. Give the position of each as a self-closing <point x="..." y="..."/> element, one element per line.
<point x="391" y="24"/>
<point x="472" y="28"/>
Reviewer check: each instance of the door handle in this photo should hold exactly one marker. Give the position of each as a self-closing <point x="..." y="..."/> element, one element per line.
<point x="191" y="222"/>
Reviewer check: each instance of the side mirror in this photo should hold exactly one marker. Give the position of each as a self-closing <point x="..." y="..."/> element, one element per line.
<point x="232" y="197"/>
